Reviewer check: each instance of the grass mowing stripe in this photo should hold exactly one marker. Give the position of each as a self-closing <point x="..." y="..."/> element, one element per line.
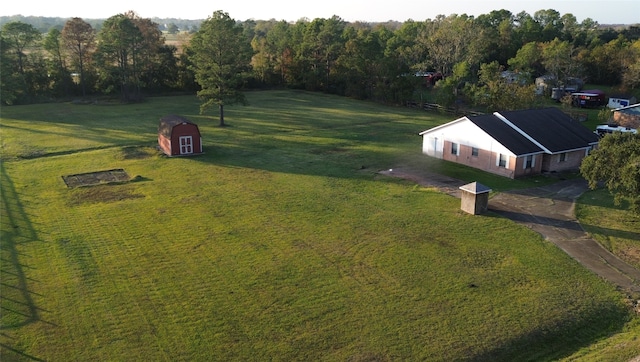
<point x="280" y="242"/>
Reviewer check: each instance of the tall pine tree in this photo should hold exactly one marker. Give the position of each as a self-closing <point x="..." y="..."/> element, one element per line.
<point x="221" y="58"/>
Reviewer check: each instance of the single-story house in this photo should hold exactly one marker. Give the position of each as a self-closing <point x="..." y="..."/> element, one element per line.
<point x="512" y="143"/>
<point x="177" y="136"/>
<point x="628" y="116"/>
<point x="620" y="101"/>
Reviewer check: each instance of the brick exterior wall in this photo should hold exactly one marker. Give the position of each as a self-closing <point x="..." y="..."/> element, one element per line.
<point x="572" y="161"/>
<point x="521" y="171"/>
<point x="626" y="119"/>
<point x="487" y="161"/>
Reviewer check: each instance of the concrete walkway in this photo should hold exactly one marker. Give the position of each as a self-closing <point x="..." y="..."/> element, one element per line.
<point x="548" y="210"/>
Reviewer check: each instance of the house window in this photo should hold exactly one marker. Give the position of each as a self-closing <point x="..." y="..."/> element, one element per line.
<point x="455" y="149"/>
<point x="474" y="152"/>
<point x="529" y="161"/>
<point x="562" y="157"/>
<point x="502" y="160"/>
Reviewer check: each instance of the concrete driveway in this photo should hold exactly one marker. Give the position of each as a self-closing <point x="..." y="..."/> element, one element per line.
<point x="548" y="210"/>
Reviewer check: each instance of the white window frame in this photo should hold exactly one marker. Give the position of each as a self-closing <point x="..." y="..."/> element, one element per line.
<point x="506" y="160"/>
<point x="532" y="158"/>
<point x="455" y="146"/>
<point x="562" y="157"/>
<point x="186" y="147"/>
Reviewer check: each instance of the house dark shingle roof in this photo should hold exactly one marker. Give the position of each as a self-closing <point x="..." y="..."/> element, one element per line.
<point x="505" y="134"/>
<point x="552" y="128"/>
<point x="526" y="132"/>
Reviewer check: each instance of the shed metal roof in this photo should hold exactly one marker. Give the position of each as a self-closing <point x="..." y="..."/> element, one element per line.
<point x="168" y="122"/>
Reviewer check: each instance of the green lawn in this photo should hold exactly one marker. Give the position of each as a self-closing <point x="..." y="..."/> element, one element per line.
<point x="281" y="242"/>
<point x="612" y="225"/>
<point x="619" y="231"/>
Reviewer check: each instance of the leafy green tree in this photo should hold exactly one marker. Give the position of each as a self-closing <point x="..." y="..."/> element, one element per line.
<point x="78" y="38"/>
<point x="172" y="28"/>
<point x="606" y="63"/>
<point x="221" y="56"/>
<point x="409" y="47"/>
<point x="116" y="56"/>
<point x="498" y="34"/>
<point x="447" y="89"/>
<point x="527" y="29"/>
<point x="362" y="64"/>
<point x="586" y="33"/>
<point x="456" y="39"/>
<point x="185" y="78"/>
<point x="605" y="115"/>
<point x="272" y="60"/>
<point x="528" y="60"/>
<point x="58" y="73"/>
<point x="154" y="61"/>
<point x="19" y="37"/>
<point x="10" y="81"/>
<point x="497" y="93"/>
<point x="321" y="47"/>
<point x="131" y="55"/>
<point x="280" y="40"/>
<point x="616" y="164"/>
<point x="21" y="66"/>
<point x="551" y="23"/>
<point x="559" y="59"/>
<point x="163" y="73"/>
<point x="631" y="72"/>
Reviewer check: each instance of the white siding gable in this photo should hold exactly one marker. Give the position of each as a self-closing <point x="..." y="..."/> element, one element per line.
<point x="463" y="132"/>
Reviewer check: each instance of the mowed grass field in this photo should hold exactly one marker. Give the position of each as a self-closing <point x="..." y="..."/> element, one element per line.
<point x="281" y="242"/>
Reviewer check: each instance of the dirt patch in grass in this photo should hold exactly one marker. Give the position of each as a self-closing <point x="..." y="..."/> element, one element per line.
<point x="631" y="254"/>
<point x="96" y="178"/>
<point x="138" y="153"/>
<point x="102" y="193"/>
<point x="324" y="151"/>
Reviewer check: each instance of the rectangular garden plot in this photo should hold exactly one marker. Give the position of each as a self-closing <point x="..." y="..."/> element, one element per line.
<point x="96" y="178"/>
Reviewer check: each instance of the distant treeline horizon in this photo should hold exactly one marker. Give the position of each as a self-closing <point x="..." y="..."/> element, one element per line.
<point x="45" y="23"/>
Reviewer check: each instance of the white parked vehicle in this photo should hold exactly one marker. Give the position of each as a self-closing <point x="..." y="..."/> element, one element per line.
<point x="604" y="129"/>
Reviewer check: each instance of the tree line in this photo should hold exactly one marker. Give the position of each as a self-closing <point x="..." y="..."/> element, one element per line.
<point x="129" y="57"/>
<point x="45" y="23"/>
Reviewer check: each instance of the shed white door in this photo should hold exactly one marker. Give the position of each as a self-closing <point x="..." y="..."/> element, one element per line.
<point x="186" y="145"/>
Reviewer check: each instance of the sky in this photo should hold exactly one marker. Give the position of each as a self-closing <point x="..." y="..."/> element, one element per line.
<point x="602" y="11"/>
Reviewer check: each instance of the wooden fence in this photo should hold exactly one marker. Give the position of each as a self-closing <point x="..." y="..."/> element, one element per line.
<point x="438" y="108"/>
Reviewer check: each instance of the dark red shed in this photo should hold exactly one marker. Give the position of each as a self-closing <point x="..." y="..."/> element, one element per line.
<point x="177" y="136"/>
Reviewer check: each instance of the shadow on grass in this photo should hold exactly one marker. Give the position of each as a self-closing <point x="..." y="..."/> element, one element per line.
<point x="537" y="219"/>
<point x="16" y="299"/>
<point x="631" y="235"/>
<point x="8" y="352"/>
<point x="564" y="224"/>
<point x="562" y="338"/>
